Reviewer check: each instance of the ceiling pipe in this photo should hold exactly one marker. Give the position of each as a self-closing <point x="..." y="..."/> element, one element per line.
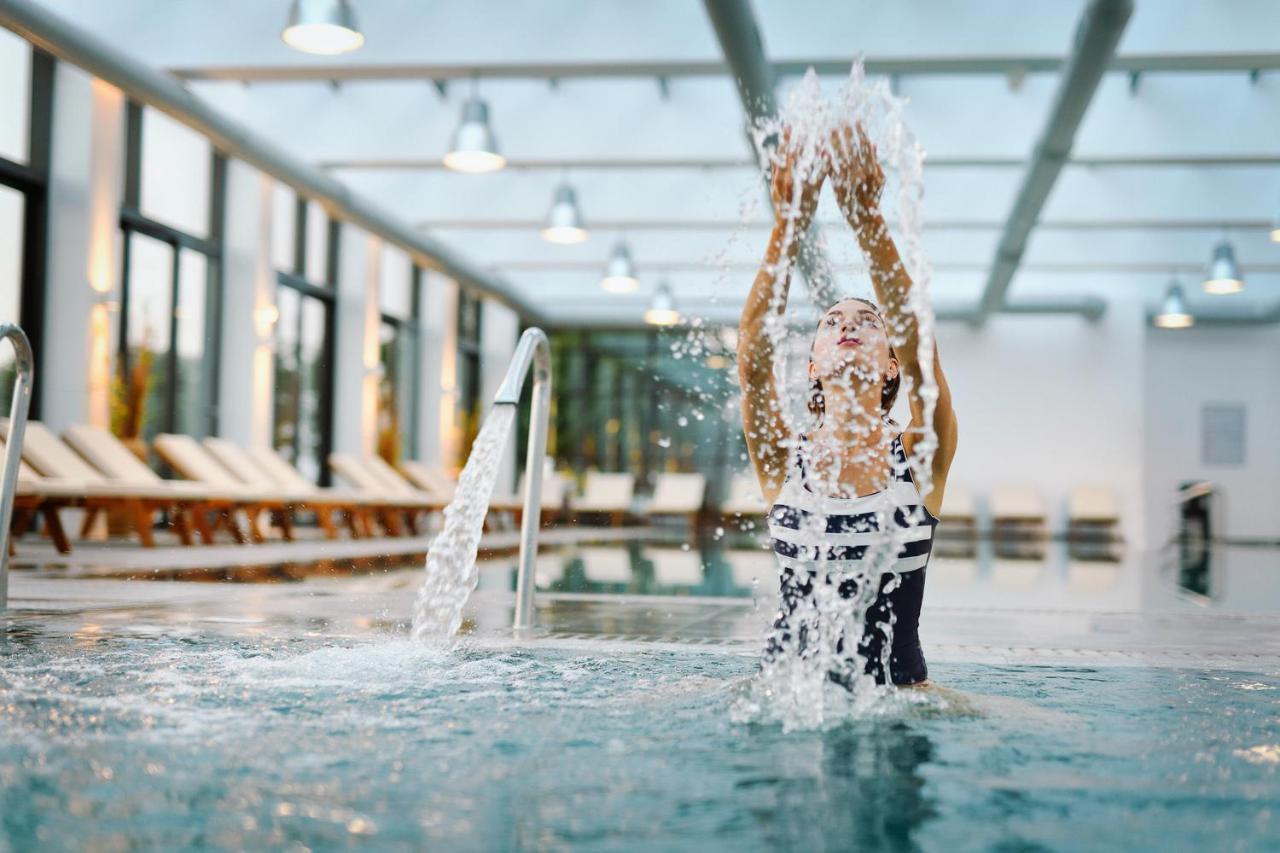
<point x="1096" y="39"/>
<point x="164" y="92"/>
<point x="1255" y="316"/>
<point x="740" y="41"/>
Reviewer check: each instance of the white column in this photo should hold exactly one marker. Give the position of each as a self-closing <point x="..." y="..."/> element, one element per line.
<point x="350" y="433"/>
<point x="86" y="183"/>
<point x="246" y="377"/>
<point x="446" y="415"/>
<point x="433" y="319"/>
<point x="499" y="330"/>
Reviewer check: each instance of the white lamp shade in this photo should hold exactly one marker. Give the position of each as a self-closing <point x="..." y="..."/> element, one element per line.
<point x="620" y="274"/>
<point x="474" y="148"/>
<point x="564" y="222"/>
<point x="1224" y="273"/>
<point x="1173" y="312"/>
<point x="662" y="309"/>
<point x="324" y="27"/>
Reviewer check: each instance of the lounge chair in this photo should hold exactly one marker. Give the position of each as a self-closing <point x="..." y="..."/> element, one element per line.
<point x="1019" y="522"/>
<point x="555" y="493"/>
<point x="265" y="469"/>
<point x="958" y="519"/>
<point x="188" y="457"/>
<point x="126" y="486"/>
<point x="396" y="500"/>
<point x="744" y="499"/>
<point x="678" y="494"/>
<point x="433" y="480"/>
<point x="605" y="493"/>
<point x="1092" y="513"/>
<point x="675" y="566"/>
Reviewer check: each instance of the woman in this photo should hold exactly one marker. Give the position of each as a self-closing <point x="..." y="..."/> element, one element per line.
<point x="850" y="474"/>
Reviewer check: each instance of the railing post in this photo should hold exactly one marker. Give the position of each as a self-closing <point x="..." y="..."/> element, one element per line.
<point x="534" y="350"/>
<point x="24" y="362"/>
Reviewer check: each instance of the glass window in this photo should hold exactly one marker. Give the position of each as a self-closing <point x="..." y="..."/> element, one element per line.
<point x="193" y="415"/>
<point x="12" y="209"/>
<point x="15" y="97"/>
<point x="284" y="215"/>
<point x="301" y="380"/>
<point x="140" y="406"/>
<point x="176" y="174"/>
<point x="317" y="256"/>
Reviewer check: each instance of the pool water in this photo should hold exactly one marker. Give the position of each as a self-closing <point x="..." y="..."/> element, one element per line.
<point x="235" y="741"/>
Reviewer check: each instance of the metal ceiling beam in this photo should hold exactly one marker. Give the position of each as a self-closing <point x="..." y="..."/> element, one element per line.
<point x="157" y="89"/>
<point x="698" y="265"/>
<point x="1097" y="37"/>
<point x="1253" y="316"/>
<point x="1245" y="63"/>
<point x="739" y="36"/>
<point x="1216" y="225"/>
<point x="621" y="164"/>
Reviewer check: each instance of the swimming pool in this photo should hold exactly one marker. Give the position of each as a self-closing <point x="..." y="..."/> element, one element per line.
<point x="246" y="716"/>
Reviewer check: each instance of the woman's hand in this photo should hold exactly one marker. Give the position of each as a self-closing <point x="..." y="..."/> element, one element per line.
<point x="794" y="186"/>
<point x="856" y="175"/>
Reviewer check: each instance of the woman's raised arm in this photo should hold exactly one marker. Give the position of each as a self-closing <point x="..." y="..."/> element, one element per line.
<point x="795" y="197"/>
<point x="858" y="181"/>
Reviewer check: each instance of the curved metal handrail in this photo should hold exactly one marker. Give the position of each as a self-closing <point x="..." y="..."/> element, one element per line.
<point x="25" y="364"/>
<point x="534" y="350"/>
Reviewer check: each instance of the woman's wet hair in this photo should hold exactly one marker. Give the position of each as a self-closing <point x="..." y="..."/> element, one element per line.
<point x="888" y="394"/>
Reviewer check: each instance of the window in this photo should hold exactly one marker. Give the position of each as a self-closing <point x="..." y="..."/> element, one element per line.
<point x="398" y="347"/>
<point x="302" y="423"/>
<point x="172" y="270"/>
<point x="26" y="81"/>
<point x="468" y="411"/>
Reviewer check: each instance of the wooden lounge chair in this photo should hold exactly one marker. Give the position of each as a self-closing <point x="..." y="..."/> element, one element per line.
<point x="1093" y="513"/>
<point x="958" y="518"/>
<point x="678" y="494"/>
<point x="605" y="493"/>
<point x="136" y="493"/>
<point x="268" y="471"/>
<point x="555" y="494"/>
<point x="744" y="499"/>
<point x="433" y="479"/>
<point x="1019" y="521"/>
<point x="398" y="504"/>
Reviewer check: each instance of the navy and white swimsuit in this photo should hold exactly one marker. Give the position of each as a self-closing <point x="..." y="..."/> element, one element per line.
<point x="824" y="540"/>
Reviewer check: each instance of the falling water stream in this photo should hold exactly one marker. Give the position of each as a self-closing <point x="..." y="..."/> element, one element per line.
<point x="451" y="562"/>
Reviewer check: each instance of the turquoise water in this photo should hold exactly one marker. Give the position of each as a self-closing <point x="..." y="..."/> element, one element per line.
<point x="116" y="742"/>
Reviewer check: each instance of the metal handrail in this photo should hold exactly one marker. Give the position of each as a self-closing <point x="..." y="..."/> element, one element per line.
<point x="25" y="364"/>
<point x="534" y="350"/>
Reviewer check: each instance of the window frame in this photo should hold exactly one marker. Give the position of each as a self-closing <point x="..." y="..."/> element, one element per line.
<point x="31" y="180"/>
<point x="327" y="293"/>
<point x="132" y="221"/>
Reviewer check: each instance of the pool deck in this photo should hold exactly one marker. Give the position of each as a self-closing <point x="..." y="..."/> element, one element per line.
<point x="1019" y="613"/>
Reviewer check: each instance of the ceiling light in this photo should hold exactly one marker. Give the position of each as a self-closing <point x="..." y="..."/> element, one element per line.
<point x="662" y="310"/>
<point x="1275" y="229"/>
<point x="1173" y="312"/>
<point x="1224" y="272"/>
<point x="474" y="149"/>
<point x="620" y="274"/>
<point x="325" y="27"/>
<point x="564" y="222"/>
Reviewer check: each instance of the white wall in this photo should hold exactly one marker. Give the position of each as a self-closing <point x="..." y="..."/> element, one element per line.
<point x="436" y="318"/>
<point x="352" y="424"/>
<point x="1051" y="402"/>
<point x="499" y="329"/>
<point x="1187" y="369"/>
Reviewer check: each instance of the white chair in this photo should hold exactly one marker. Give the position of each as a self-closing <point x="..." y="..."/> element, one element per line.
<point x="605" y="493"/>
<point x="678" y="494"/>
<point x="744" y="498"/>
<point x="1093" y="513"/>
<point x="1018" y="512"/>
<point x="606" y="564"/>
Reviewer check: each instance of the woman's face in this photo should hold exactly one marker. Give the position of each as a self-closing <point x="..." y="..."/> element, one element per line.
<point x="852" y="347"/>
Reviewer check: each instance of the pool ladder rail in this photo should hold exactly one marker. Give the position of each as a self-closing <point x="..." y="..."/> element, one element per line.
<point x="532" y="352"/>
<point x="25" y="364"/>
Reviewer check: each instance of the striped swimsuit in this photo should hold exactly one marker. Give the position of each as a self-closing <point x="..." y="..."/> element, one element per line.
<point x="823" y="540"/>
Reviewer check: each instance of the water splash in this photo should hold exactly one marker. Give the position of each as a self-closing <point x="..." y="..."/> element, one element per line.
<point x="451" y="563"/>
<point x="794" y="687"/>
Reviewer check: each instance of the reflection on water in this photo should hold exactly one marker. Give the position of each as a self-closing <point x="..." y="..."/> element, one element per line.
<point x="253" y="743"/>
